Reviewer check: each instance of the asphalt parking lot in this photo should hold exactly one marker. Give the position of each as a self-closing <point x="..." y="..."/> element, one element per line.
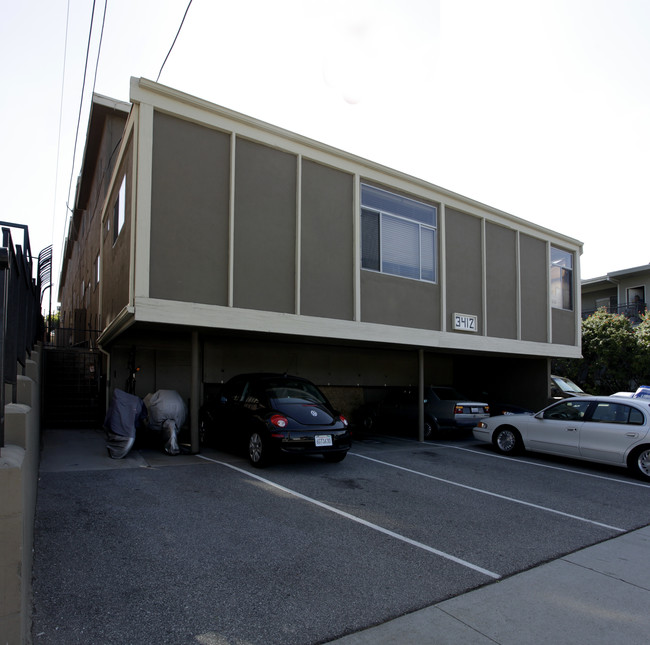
<point x="205" y="549"/>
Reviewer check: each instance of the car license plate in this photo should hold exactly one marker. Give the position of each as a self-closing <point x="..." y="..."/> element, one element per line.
<point x="476" y="410"/>
<point x="323" y="440"/>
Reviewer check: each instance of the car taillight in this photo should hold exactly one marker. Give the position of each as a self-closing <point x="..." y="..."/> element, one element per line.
<point x="487" y="409"/>
<point x="458" y="409"/>
<point x="279" y="421"/>
<point x="344" y="420"/>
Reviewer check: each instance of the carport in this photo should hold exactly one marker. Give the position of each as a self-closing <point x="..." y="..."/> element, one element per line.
<point x="196" y="363"/>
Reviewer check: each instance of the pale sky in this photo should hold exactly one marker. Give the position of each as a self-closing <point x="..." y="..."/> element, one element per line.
<point x="540" y="108"/>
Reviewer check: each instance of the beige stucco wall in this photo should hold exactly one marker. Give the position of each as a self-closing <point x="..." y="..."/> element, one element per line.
<point x="18" y="482"/>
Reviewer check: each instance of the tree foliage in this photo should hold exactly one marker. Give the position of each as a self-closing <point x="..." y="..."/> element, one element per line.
<point x="616" y="354"/>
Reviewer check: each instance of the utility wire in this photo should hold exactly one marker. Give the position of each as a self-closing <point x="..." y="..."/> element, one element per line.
<point x="172" y="47"/>
<point x="99" y="49"/>
<point x="81" y="100"/>
<point x="101" y="37"/>
<point x="58" y="143"/>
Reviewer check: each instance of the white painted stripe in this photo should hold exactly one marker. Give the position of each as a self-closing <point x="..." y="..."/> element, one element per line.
<point x="486" y="492"/>
<point x="538" y="465"/>
<point x="359" y="520"/>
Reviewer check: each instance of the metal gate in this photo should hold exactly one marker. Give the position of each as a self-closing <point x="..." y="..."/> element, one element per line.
<point x="73" y="389"/>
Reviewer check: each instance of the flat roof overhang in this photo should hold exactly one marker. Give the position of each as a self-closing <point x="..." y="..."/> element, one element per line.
<point x="153" y="314"/>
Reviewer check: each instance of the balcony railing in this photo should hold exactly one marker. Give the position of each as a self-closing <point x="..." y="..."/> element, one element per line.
<point x="20" y="317"/>
<point x="631" y="310"/>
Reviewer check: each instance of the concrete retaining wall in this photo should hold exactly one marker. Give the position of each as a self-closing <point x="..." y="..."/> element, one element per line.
<point x="19" y="460"/>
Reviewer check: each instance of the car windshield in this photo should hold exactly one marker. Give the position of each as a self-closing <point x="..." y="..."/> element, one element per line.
<point x="288" y="391"/>
<point x="448" y="394"/>
<point x="566" y="385"/>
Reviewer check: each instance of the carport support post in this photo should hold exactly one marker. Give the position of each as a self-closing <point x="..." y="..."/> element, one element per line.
<point x="195" y="393"/>
<point x="420" y="395"/>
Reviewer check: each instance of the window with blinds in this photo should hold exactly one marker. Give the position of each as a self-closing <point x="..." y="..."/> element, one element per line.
<point x="398" y="235"/>
<point x="561" y="279"/>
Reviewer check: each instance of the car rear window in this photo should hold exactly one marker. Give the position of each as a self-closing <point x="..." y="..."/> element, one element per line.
<point x="293" y="391"/>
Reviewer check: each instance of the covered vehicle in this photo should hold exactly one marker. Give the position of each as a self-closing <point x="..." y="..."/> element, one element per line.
<point x="444" y="409"/>
<point x="124" y="415"/>
<point x="166" y="415"/>
<point x="268" y="414"/>
<point x="602" y="429"/>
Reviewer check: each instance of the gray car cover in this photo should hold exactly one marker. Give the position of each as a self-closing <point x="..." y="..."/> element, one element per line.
<point x="167" y="413"/>
<point x="125" y="413"/>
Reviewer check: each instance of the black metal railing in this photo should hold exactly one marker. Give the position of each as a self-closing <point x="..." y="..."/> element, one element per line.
<point x="632" y="310"/>
<point x="79" y="329"/>
<point x="21" y="323"/>
<point x="67" y="337"/>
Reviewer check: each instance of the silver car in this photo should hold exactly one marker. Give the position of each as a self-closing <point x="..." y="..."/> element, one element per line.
<point x="444" y="409"/>
<point x="594" y="428"/>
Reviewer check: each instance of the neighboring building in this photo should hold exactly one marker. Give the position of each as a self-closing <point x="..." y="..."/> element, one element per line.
<point x="80" y="274"/>
<point x="210" y="243"/>
<point x="620" y="292"/>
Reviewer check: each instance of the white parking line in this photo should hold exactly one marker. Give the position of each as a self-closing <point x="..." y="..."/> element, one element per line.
<point x="354" y="518"/>
<point x="538" y="465"/>
<point x="486" y="492"/>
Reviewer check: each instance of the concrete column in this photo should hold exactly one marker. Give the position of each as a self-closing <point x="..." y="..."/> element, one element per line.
<point x="420" y="395"/>
<point x="195" y="393"/>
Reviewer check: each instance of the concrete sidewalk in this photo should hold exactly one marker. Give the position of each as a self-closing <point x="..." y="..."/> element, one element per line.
<point x="598" y="595"/>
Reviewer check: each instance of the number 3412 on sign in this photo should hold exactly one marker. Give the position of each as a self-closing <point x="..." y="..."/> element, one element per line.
<point x="465" y="322"/>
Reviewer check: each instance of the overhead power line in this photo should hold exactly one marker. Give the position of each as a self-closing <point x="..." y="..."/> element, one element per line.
<point x="175" y="38"/>
<point x="81" y="100"/>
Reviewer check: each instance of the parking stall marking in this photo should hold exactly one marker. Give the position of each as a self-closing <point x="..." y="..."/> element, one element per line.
<point x="491" y="494"/>
<point x="538" y="465"/>
<point x="359" y="520"/>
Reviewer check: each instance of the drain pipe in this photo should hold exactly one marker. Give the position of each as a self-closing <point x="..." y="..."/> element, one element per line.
<point x="195" y="393"/>
<point x="421" y="395"/>
<point x="107" y="389"/>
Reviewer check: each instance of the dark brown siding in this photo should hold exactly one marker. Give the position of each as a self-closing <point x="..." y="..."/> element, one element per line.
<point x="189" y="212"/>
<point x="564" y="329"/>
<point x="116" y="252"/>
<point x="464" y="266"/>
<point x="534" y="289"/>
<point x="390" y="300"/>
<point x="501" y="252"/>
<point x="327" y="262"/>
<point x="265" y="228"/>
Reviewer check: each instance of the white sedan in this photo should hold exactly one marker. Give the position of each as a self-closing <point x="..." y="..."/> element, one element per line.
<point x="594" y="428"/>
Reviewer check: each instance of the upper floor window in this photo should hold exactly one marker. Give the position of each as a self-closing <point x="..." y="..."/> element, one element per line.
<point x="119" y="210"/>
<point x="561" y="279"/>
<point x="398" y="235"/>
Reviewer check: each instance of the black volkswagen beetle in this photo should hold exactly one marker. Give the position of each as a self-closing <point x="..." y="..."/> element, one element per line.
<point x="275" y="413"/>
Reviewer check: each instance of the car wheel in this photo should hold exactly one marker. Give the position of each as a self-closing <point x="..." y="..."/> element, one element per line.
<point x="334" y="457"/>
<point x="507" y="440"/>
<point x="639" y="463"/>
<point x="258" y="450"/>
<point x="430" y="429"/>
<point x="368" y="423"/>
